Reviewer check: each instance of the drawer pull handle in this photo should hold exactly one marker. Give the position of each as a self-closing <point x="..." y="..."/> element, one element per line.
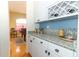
<point x="56" y="50"/>
<point x="33" y="38"/>
<point x="31" y="41"/>
<point x="48" y="53"/>
<point x="45" y="51"/>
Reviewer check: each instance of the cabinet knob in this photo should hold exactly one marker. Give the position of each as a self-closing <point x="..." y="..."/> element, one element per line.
<point x="41" y="42"/>
<point x="38" y="20"/>
<point x="56" y="50"/>
<point x="33" y="38"/>
<point x="48" y="53"/>
<point x="31" y="41"/>
<point x="45" y="51"/>
<point x="56" y="15"/>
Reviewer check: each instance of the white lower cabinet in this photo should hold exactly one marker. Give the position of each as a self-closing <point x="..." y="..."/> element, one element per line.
<point x="60" y="51"/>
<point x="35" y="50"/>
<point x="29" y="42"/>
<point x="41" y="48"/>
<point x="38" y="48"/>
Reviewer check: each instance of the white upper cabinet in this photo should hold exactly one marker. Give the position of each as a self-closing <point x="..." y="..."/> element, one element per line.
<point x="40" y="11"/>
<point x="63" y="8"/>
<point x="45" y="11"/>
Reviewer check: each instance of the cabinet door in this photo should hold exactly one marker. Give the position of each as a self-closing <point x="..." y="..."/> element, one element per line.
<point x="29" y="42"/>
<point x="50" y="51"/>
<point x="42" y="48"/>
<point x="34" y="47"/>
<point x="35" y="50"/>
<point x="38" y="48"/>
<point x="45" y="51"/>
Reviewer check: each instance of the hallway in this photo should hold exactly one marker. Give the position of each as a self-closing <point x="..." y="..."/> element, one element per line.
<point x="17" y="12"/>
<point x="19" y="49"/>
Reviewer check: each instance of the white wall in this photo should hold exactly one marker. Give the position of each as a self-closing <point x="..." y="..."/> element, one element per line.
<point x="4" y="28"/>
<point x="37" y="10"/>
<point x="41" y="8"/>
<point x="78" y="37"/>
<point x="30" y="16"/>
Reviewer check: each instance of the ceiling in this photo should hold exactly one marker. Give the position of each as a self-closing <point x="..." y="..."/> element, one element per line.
<point x="17" y="6"/>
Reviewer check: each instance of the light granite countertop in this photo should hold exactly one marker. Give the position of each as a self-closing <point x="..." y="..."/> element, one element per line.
<point x="56" y="40"/>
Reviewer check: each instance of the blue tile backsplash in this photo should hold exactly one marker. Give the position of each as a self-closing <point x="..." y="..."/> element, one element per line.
<point x="67" y="22"/>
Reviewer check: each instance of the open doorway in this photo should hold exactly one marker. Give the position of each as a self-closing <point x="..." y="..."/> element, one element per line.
<point x="21" y="27"/>
<point x="17" y="13"/>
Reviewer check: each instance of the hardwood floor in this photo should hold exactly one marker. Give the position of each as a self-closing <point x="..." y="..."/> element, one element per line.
<point x="20" y="50"/>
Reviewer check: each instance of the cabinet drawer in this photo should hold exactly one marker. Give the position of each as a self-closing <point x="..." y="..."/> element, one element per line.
<point x="61" y="51"/>
<point x="42" y="42"/>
